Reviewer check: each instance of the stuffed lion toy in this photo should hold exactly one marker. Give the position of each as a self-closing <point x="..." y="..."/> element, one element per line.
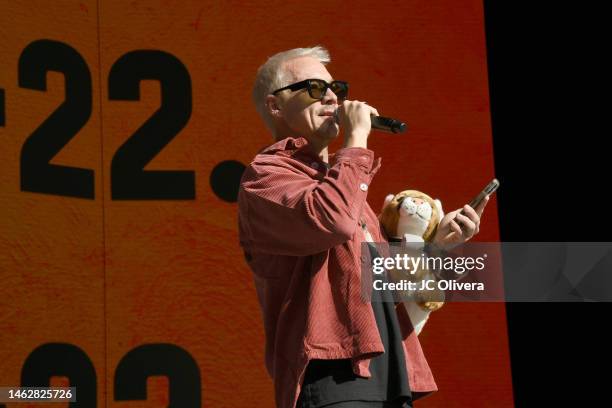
<point x="412" y="217"/>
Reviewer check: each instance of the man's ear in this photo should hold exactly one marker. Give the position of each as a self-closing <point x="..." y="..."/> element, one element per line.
<point x="273" y="106"/>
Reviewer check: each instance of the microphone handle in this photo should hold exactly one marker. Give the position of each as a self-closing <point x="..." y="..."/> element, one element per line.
<point x="388" y="124"/>
<point x="382" y="123"/>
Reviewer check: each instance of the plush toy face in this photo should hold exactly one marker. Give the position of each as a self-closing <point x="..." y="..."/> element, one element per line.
<point x="411" y="212"/>
<point x="414" y="216"/>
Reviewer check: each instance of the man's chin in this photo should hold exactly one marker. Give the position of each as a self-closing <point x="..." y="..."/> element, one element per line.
<point x="329" y="130"/>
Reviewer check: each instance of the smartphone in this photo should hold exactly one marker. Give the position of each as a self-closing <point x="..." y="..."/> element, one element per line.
<point x="488" y="190"/>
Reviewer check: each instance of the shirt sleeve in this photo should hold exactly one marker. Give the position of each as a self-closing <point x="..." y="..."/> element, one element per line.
<point x="284" y="211"/>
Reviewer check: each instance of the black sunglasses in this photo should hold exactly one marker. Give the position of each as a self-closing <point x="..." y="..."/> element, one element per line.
<point x="317" y="88"/>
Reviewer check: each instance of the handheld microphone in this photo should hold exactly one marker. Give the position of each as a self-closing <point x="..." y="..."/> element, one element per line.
<point x="388" y="124"/>
<point x="381" y="123"/>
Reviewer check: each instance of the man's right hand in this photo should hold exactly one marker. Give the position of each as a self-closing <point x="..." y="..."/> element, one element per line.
<point x="355" y="119"/>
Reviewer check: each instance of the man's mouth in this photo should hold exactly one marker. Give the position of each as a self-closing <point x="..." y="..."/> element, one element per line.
<point x="328" y="113"/>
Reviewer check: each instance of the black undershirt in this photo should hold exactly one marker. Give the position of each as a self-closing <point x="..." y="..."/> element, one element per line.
<point x="330" y="381"/>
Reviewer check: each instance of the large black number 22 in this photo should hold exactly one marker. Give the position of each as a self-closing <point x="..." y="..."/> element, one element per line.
<point x="129" y="180"/>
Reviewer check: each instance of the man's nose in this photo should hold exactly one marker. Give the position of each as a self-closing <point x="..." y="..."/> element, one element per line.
<point x="329" y="98"/>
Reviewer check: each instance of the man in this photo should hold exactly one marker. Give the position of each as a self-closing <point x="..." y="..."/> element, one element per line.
<point x="302" y="218"/>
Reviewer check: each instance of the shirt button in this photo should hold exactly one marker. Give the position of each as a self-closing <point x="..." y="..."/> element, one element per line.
<point x="314" y="165"/>
<point x="363" y="187"/>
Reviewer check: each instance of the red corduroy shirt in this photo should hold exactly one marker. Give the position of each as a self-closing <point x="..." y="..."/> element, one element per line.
<point x="298" y="226"/>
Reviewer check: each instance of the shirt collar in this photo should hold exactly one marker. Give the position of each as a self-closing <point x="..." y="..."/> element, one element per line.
<point x="296" y="145"/>
<point x="288" y="143"/>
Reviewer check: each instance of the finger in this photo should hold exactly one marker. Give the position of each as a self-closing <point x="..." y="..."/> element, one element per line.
<point x="453" y="214"/>
<point x="480" y="207"/>
<point x="450" y="216"/>
<point x="470" y="213"/>
<point x="468" y="225"/>
<point x="373" y="110"/>
<point x="444" y="224"/>
<point x="370" y="108"/>
<point x="361" y="105"/>
<point x="455" y="227"/>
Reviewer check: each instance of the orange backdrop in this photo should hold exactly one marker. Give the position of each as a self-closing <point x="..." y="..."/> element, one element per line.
<point x="112" y="275"/>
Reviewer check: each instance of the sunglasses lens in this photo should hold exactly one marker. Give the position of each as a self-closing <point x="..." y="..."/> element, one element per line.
<point x="317" y="89"/>
<point x="340" y="89"/>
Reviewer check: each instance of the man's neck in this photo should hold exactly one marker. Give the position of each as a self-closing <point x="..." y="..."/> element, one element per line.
<point x="319" y="149"/>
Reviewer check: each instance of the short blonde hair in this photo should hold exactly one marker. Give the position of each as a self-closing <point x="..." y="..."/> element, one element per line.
<point x="271" y="75"/>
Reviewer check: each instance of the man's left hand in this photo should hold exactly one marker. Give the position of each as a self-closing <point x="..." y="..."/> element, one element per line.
<point x="456" y="228"/>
